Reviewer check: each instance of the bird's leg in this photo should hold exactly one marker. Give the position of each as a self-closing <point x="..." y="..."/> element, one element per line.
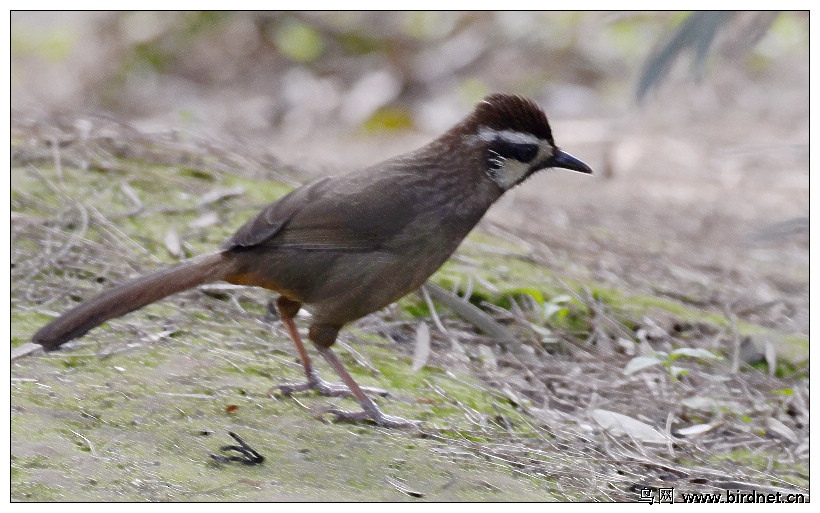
<point x="369" y="409"/>
<point x="287" y="310"/>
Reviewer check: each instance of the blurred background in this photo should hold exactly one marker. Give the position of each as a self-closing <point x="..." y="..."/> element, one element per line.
<point x="701" y="187"/>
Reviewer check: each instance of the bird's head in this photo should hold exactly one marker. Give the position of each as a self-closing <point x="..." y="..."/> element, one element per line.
<point x="514" y="139"/>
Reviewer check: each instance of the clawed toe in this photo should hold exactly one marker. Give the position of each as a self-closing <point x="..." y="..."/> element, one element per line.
<point x="350" y="388"/>
<point x="379" y="418"/>
<point x="326" y="388"/>
<point x="323" y="387"/>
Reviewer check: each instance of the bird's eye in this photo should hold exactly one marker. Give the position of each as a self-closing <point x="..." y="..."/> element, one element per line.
<point x="522" y="152"/>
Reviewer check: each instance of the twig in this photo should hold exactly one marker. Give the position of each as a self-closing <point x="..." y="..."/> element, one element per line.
<point x="468" y="312"/>
<point x="24" y="350"/>
<point x="87" y="442"/>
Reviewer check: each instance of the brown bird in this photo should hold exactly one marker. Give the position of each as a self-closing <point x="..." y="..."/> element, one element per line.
<point x="346" y="246"/>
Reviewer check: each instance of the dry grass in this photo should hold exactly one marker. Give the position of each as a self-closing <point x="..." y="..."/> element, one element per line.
<point x="547" y="385"/>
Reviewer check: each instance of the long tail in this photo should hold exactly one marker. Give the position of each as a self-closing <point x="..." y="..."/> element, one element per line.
<point x="131" y="296"/>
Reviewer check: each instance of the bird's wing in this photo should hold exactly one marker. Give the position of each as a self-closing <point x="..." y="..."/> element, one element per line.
<point x="348" y="214"/>
<point x="270" y="221"/>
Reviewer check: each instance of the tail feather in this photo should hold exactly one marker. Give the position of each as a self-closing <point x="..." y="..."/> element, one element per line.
<point x="131" y="296"/>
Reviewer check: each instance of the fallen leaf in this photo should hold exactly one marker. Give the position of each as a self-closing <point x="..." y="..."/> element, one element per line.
<point x="777" y="428"/>
<point x="172" y="243"/>
<point x="219" y="194"/>
<point x="617" y="423"/>
<point x="422" y="351"/>
<point x="641" y="362"/>
<point x="205" y="220"/>
<point x="697" y="429"/>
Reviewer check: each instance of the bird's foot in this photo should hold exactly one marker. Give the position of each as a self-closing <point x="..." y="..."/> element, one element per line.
<point x="376" y="416"/>
<point x="326" y="388"/>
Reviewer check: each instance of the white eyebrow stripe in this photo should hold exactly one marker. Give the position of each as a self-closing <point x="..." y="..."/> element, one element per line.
<point x="487" y="134"/>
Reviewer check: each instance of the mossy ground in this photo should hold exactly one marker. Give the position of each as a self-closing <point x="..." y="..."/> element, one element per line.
<point x="133" y="411"/>
<point x="141" y="425"/>
<point x="140" y="422"/>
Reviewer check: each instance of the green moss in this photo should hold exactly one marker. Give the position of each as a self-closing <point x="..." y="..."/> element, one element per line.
<point x="763" y="461"/>
<point x="507" y="269"/>
<point x="25" y="324"/>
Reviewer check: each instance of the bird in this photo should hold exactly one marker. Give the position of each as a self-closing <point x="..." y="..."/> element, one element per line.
<point x="345" y="246"/>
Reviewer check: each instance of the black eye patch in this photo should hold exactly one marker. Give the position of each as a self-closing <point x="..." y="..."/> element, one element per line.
<point x="522" y="152"/>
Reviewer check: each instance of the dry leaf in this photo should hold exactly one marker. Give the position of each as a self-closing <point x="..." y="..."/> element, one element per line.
<point x="220" y="194"/>
<point x="777" y="428"/>
<point x="205" y="220"/>
<point x="697" y="429"/>
<point x="422" y="351"/>
<point x="617" y="423"/>
<point x="172" y="243"/>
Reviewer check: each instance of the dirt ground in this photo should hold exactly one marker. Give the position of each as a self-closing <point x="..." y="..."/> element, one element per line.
<point x="700" y="197"/>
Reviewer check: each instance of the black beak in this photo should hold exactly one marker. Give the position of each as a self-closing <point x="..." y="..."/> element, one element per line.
<point x="567" y="161"/>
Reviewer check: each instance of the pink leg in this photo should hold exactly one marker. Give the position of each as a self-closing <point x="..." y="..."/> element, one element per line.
<point x="369" y="409"/>
<point x="287" y="309"/>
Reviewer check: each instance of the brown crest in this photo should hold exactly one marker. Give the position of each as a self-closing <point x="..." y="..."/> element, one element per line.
<point x="501" y="111"/>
